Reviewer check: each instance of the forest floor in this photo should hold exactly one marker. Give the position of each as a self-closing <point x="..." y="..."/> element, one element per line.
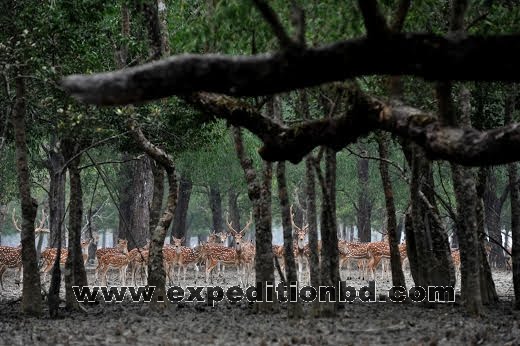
<point x="236" y="324"/>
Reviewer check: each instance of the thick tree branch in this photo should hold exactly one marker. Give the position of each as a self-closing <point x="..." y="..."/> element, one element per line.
<point x="425" y="55"/>
<point x="466" y="146"/>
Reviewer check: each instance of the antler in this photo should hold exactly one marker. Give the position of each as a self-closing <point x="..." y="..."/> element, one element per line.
<point x="292" y="219"/>
<point x="248" y="222"/>
<point x="229" y="224"/>
<point x="41" y="228"/>
<point x="15" y="222"/>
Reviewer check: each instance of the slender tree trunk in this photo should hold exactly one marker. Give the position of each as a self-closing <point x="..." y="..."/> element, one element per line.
<point x="395" y="258"/>
<point x="215" y="203"/>
<point x="55" y="164"/>
<point x="31" y="295"/>
<point x="125" y="197"/>
<point x="310" y="198"/>
<point x="181" y="211"/>
<point x="259" y="193"/>
<point x="294" y="310"/>
<point x="75" y="274"/>
<point x="142" y="196"/>
<point x="158" y="194"/>
<point x="234" y="211"/>
<point x="364" y="208"/>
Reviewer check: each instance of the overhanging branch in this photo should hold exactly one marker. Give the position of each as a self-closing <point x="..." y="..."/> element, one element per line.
<point x="424" y="55"/>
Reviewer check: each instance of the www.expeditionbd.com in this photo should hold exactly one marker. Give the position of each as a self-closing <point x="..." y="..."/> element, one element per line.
<point x="267" y="292"/>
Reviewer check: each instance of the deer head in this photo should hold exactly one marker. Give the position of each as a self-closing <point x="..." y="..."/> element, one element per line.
<point x="212" y="237"/>
<point x="122" y="245"/>
<point x="177" y="244"/>
<point x="300" y="232"/>
<point x="223" y="237"/>
<point x="238" y="235"/>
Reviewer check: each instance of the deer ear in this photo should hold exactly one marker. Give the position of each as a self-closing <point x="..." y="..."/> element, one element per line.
<point x="182" y="240"/>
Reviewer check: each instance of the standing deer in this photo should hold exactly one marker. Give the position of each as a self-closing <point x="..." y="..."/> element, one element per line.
<point x="245" y="251"/>
<point x="301" y="250"/>
<point x="10" y="257"/>
<point x="184" y="257"/>
<point x="48" y="256"/>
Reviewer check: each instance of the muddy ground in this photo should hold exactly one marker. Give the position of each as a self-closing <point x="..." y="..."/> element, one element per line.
<point x="237" y="324"/>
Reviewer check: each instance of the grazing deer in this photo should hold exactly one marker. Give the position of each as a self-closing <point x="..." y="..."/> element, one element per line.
<point x="116" y="258"/>
<point x="245" y="251"/>
<point x="48" y="256"/>
<point x="301" y="250"/>
<point x="10" y="257"/>
<point x="184" y="257"/>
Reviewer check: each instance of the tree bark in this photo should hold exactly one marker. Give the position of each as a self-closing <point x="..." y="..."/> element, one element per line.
<point x="158" y="194"/>
<point x="55" y="163"/>
<point x="364" y="205"/>
<point x="259" y="193"/>
<point x="395" y="257"/>
<point x="75" y="274"/>
<point x="294" y="309"/>
<point x="31" y="295"/>
<point x="215" y="203"/>
<point x="181" y="211"/>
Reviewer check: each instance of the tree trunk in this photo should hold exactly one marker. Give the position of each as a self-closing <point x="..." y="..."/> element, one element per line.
<point x="294" y="309"/>
<point x="515" y="230"/>
<point x="55" y="163"/>
<point x="75" y="274"/>
<point x="395" y="258"/>
<point x="492" y="211"/>
<point x="125" y="197"/>
<point x="181" y="211"/>
<point x="259" y="193"/>
<point x="143" y="195"/>
<point x="158" y="194"/>
<point x="364" y="207"/>
<point x="31" y="295"/>
<point x="329" y="263"/>
<point x="234" y="211"/>
<point x="215" y="204"/>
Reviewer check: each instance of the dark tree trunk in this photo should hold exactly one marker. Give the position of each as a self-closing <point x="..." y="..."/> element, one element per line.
<point x="427" y="242"/>
<point x="259" y="193"/>
<point x="3" y="215"/>
<point x="31" y="295"/>
<point x="294" y="310"/>
<point x="364" y="207"/>
<point x="515" y="230"/>
<point x="125" y="197"/>
<point x="75" y="274"/>
<point x="234" y="211"/>
<point x="492" y="211"/>
<point x="395" y="258"/>
<point x="143" y="195"/>
<point x="179" y="225"/>
<point x="55" y="163"/>
<point x="215" y="204"/>
<point x="158" y="194"/>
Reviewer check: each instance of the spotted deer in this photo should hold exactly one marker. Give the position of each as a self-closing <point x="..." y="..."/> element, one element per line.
<point x="349" y="251"/>
<point x="48" y="256"/>
<point x="116" y="258"/>
<point x="139" y="261"/>
<point x="10" y="257"/>
<point x="184" y="257"/>
<point x="245" y="251"/>
<point x="279" y="253"/>
<point x="300" y="248"/>
<point x="455" y="256"/>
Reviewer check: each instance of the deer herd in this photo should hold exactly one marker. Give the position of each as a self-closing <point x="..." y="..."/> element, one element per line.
<point x="214" y="254"/>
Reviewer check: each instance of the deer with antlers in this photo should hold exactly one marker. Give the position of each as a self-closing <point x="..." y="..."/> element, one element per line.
<point x="300" y="248"/>
<point x="245" y="251"/>
<point x="48" y="256"/>
<point x="10" y="257"/>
